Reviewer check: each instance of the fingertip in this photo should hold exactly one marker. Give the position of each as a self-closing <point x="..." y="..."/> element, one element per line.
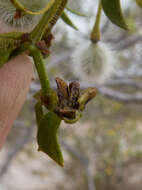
<point x="15" y="79"/>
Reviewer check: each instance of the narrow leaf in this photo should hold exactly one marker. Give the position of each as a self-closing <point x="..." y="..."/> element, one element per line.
<point x="47" y="137"/>
<point x="139" y="3"/>
<point x="75" y="12"/>
<point x="68" y="21"/>
<point x="113" y="11"/>
<point x="4" y="55"/>
<point x="8" y="43"/>
<point x="11" y="35"/>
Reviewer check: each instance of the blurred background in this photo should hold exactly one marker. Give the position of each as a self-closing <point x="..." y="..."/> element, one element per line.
<point x="103" y="151"/>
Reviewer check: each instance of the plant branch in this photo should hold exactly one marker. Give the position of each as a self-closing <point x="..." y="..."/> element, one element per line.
<point x="22" y="141"/>
<point x="20" y="7"/>
<point x="84" y="161"/>
<point x="41" y="69"/>
<point x="48" y="20"/>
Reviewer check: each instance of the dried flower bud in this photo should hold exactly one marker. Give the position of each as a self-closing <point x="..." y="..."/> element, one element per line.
<point x="70" y="102"/>
<point x="86" y="96"/>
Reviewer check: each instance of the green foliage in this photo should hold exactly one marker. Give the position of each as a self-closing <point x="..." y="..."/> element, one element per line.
<point x="112" y="9"/>
<point x="139" y="3"/>
<point x="68" y="21"/>
<point x="75" y="12"/>
<point x="8" y="43"/>
<point x="47" y="137"/>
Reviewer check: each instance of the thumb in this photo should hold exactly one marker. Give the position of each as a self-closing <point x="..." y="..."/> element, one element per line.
<point x="15" y="79"/>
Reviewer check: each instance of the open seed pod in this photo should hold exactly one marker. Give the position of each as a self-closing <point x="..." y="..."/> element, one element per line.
<point x="93" y="62"/>
<point x="8" y="12"/>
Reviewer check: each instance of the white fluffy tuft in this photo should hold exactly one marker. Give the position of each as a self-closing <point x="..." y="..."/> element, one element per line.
<point x="93" y="63"/>
<point x="7" y="12"/>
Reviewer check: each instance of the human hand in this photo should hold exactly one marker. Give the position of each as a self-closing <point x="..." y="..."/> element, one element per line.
<point x="15" y="79"/>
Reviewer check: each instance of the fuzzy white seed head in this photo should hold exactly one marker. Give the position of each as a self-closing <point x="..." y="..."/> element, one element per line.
<point x="93" y="63"/>
<point x="7" y="13"/>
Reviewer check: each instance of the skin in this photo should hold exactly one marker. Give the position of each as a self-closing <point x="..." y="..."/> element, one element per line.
<point x="15" y="80"/>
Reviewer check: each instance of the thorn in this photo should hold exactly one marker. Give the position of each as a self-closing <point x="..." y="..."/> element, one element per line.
<point x="18" y="14"/>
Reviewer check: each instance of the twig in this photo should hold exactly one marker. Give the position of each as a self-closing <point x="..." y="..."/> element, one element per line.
<point x="119" y="96"/>
<point x="124" y="83"/>
<point x="84" y="161"/>
<point x="16" y="149"/>
<point x="127" y="43"/>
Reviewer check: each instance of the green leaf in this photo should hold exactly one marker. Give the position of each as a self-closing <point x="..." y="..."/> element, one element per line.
<point x="4" y="57"/>
<point x="113" y="11"/>
<point x="75" y="12"/>
<point x="8" y="43"/>
<point x="47" y="137"/>
<point x="11" y="35"/>
<point x="68" y="21"/>
<point x="139" y="3"/>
